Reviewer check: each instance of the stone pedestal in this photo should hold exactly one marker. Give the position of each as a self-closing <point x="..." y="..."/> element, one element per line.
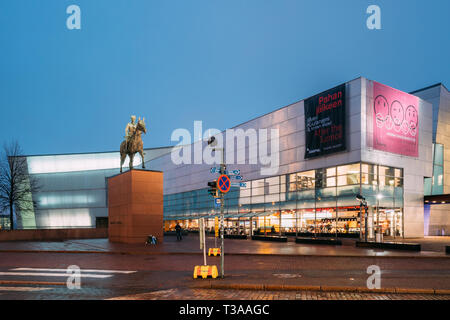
<point x="135" y="206"/>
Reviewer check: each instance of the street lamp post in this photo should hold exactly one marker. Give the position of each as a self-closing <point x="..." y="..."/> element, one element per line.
<point x="379" y="196"/>
<point x="363" y="202"/>
<point x="365" y="222"/>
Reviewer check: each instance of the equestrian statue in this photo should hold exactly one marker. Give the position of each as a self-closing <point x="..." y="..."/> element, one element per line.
<point x="133" y="141"/>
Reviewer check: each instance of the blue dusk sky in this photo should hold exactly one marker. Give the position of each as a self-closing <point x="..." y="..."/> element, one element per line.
<point x="173" y="62"/>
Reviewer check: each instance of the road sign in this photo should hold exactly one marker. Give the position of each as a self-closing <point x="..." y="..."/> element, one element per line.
<point x="236" y="177"/>
<point x="227" y="172"/>
<point x="223" y="183"/>
<point x="217" y="202"/>
<point x="239" y="184"/>
<point x="215" y="170"/>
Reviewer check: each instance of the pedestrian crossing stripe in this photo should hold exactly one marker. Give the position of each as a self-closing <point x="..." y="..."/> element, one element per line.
<point x="33" y="283"/>
<point x="13" y="285"/>
<point x="24" y="289"/>
<point x="59" y="272"/>
<point x="82" y="270"/>
<point x="51" y="274"/>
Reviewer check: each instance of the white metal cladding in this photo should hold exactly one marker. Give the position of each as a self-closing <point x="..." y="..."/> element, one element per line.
<point x="73" y="188"/>
<point x="75" y="162"/>
<point x="290" y="121"/>
<point x="85" y="161"/>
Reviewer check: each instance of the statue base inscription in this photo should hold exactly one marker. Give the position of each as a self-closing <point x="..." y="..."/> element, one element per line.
<point x="135" y="206"/>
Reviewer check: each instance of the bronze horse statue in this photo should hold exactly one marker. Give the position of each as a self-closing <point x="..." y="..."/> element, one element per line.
<point x="134" y="145"/>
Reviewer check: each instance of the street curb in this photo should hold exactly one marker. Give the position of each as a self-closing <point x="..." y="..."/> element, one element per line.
<point x="282" y="287"/>
<point x="226" y="254"/>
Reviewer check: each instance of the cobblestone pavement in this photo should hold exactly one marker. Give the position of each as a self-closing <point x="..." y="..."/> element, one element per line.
<point x="92" y="293"/>
<point x="211" y="294"/>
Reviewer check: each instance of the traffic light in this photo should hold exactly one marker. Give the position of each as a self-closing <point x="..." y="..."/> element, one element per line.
<point x="213" y="188"/>
<point x="212" y="142"/>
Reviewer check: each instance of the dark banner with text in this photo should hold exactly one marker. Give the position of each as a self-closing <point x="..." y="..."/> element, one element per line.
<point x="325" y="123"/>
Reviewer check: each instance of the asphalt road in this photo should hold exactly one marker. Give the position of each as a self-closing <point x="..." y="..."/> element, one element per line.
<point x="106" y="276"/>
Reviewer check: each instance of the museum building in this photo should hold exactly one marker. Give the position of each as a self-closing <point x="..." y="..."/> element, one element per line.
<point x="361" y="137"/>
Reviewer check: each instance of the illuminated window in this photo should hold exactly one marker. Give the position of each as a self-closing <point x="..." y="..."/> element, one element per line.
<point x="306" y="180"/>
<point x="331" y="172"/>
<point x="272" y="185"/>
<point x="351" y="168"/>
<point x="349" y="179"/>
<point x="331" y="182"/>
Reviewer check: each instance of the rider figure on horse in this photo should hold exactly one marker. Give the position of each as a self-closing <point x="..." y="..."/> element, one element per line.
<point x="133" y="142"/>
<point x="129" y="130"/>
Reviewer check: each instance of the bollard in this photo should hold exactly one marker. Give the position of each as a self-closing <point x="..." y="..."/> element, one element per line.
<point x="214" y="252"/>
<point x="205" y="272"/>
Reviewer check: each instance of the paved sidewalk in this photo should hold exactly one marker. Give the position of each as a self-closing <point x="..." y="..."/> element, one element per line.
<point x="204" y="294"/>
<point x="190" y="245"/>
<point x="431" y="243"/>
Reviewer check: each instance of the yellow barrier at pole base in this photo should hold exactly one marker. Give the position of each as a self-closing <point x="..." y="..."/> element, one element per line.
<point x="214" y="252"/>
<point x="205" y="272"/>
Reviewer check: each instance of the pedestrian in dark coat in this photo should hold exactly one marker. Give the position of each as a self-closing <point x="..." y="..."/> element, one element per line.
<point x="178" y="230"/>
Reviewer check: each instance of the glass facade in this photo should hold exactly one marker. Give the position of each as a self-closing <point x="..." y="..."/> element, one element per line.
<point x="435" y="184"/>
<point x="319" y="202"/>
<point x="4" y="222"/>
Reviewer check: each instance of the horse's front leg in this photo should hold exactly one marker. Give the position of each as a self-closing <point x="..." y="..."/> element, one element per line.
<point x="131" y="155"/>
<point x="141" y="152"/>
<point x="122" y="160"/>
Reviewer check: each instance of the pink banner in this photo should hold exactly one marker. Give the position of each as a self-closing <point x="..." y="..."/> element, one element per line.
<point x="395" y="121"/>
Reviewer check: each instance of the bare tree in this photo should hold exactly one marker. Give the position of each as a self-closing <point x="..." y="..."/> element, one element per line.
<point x="16" y="185"/>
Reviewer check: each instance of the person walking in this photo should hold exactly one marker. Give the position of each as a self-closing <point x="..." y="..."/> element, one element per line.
<point x="178" y="230"/>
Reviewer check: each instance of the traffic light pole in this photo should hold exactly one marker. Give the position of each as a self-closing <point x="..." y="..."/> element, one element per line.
<point x="222" y="221"/>
<point x="222" y="218"/>
<point x="212" y="142"/>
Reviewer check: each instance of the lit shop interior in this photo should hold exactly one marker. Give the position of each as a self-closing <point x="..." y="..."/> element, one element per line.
<point x="319" y="202"/>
